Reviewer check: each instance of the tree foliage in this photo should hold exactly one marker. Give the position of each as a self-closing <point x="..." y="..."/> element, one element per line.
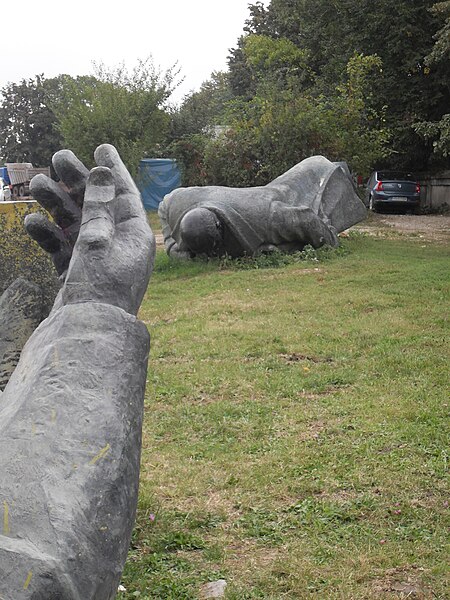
<point x="201" y="110"/>
<point x="438" y="132"/>
<point x="281" y="127"/>
<point x="27" y="121"/>
<point x="122" y="107"/>
<point x="278" y="61"/>
<point x="441" y="49"/>
<point x="354" y="80"/>
<point x="410" y="37"/>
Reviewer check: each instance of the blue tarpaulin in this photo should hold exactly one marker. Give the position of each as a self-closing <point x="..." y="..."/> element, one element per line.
<point x="156" y="178"/>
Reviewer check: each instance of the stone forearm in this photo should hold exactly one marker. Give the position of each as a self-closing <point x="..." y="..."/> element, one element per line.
<point x="70" y="437"/>
<point x="299" y="226"/>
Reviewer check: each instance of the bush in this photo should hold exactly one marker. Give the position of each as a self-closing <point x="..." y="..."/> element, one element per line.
<point x="20" y="256"/>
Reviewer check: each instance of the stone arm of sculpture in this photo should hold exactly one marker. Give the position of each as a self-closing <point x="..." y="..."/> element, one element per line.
<point x="71" y="414"/>
<point x="300" y="224"/>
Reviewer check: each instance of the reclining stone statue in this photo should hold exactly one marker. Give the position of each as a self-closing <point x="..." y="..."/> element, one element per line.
<point x="71" y="413"/>
<point x="310" y="204"/>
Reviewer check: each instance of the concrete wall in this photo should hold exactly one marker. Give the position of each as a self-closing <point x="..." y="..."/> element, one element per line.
<point x="435" y="192"/>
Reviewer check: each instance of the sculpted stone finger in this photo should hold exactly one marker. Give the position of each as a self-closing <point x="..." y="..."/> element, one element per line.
<point x="107" y="156"/>
<point x="51" y="239"/>
<point x="65" y="212"/>
<point x="72" y="173"/>
<point x="44" y="232"/>
<point x="97" y="226"/>
<point x="130" y="204"/>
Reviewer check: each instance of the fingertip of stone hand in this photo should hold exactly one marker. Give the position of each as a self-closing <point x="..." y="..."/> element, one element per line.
<point x="106" y="155"/>
<point x="101" y="176"/>
<point x="38" y="182"/>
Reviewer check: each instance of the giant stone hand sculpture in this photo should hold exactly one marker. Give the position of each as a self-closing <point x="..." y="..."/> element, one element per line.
<point x="309" y="204"/>
<point x="71" y="414"/>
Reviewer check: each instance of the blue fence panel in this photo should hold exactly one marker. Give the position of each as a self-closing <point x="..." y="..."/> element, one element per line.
<point x="156" y="178"/>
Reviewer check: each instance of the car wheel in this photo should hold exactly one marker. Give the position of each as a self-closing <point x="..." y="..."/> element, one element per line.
<point x="371" y="203"/>
<point x="21" y="191"/>
<point x="15" y="191"/>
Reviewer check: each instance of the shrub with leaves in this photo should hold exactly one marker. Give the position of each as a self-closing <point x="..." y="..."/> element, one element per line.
<point x="20" y="256"/>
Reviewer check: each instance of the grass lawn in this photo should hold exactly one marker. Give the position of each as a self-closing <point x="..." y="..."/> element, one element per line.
<point x="296" y="430"/>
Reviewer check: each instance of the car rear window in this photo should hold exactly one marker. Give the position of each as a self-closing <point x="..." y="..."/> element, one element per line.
<point x="395" y="176"/>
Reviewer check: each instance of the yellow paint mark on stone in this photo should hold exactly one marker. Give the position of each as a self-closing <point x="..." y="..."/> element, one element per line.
<point x="5" y="518"/>
<point x="27" y="580"/>
<point x="53" y="415"/>
<point x="100" y="455"/>
<point x="33" y="429"/>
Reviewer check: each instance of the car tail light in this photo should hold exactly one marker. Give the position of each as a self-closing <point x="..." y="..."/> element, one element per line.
<point x="379" y="187"/>
<point x="417" y="188"/>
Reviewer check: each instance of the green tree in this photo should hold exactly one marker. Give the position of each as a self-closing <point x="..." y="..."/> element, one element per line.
<point x="280" y="127"/>
<point x="195" y="122"/>
<point x="27" y="121"/>
<point x="201" y="110"/>
<point x="121" y="107"/>
<point x="241" y="75"/>
<point x="278" y="61"/>
<point x="399" y="32"/>
<point x="438" y="132"/>
<point x="362" y="136"/>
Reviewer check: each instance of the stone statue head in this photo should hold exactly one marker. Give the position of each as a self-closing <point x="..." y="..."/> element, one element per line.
<point x="201" y="231"/>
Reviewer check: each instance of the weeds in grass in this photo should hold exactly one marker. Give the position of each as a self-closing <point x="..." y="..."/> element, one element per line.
<point x="269" y="260"/>
<point x="276" y="259"/>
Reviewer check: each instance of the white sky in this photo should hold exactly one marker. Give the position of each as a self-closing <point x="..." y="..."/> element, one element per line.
<point x="58" y="36"/>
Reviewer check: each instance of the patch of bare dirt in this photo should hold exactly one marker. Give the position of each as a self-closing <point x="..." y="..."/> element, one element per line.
<point x="313" y="431"/>
<point x="248" y="557"/>
<point x="429" y="228"/>
<point x="339" y="496"/>
<point x="402" y="582"/>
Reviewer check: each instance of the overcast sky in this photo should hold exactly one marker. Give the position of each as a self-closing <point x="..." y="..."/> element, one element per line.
<point x="66" y="37"/>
